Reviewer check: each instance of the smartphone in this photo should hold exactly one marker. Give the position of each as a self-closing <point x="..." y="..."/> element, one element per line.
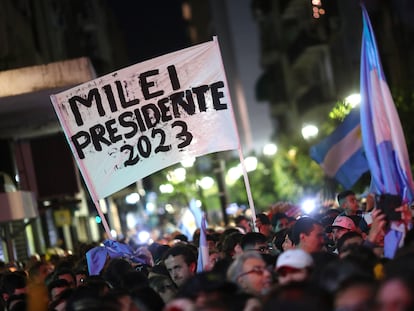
<point x="387" y="203"/>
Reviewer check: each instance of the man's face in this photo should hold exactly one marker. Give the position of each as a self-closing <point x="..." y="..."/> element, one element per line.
<point x="393" y="295"/>
<point x="262" y="248"/>
<point x="281" y="224"/>
<point x="350" y="205"/>
<point x="178" y="269"/>
<point x="314" y="241"/>
<point x="255" y="278"/>
<point x="69" y="278"/>
<point x="266" y="230"/>
<point x="167" y="291"/>
<point x="287" y="243"/>
<point x="288" y="275"/>
<point x="245" y="224"/>
<point x="338" y="232"/>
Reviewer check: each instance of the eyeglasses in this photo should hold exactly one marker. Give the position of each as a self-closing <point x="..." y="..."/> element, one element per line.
<point x="256" y="270"/>
<point x="261" y="249"/>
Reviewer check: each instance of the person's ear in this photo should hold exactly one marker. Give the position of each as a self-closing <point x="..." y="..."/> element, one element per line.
<point x="302" y="236"/>
<point x="238" y="249"/>
<point x="193" y="267"/>
<point x="241" y="282"/>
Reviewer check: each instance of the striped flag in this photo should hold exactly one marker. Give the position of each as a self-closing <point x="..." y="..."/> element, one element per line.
<point x="341" y="155"/>
<point x="203" y="254"/>
<point x="382" y="134"/>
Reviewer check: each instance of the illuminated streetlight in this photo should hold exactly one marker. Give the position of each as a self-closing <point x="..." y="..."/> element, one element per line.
<point x="176" y="176"/>
<point x="309" y="131"/>
<point x="250" y="163"/>
<point x="132" y="198"/>
<point x="233" y="174"/>
<point x="188" y="162"/>
<point x="206" y="182"/>
<point x="308" y="205"/>
<point x="353" y="100"/>
<point x="169" y="208"/>
<point x="269" y="149"/>
<point x="166" y="188"/>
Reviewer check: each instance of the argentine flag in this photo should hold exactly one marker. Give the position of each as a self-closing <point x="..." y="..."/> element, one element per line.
<point x="382" y="134"/>
<point x="341" y="155"/>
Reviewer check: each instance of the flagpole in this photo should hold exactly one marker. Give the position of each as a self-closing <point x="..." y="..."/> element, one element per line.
<point x="241" y="157"/>
<point x="248" y="190"/>
<point x="103" y="219"/>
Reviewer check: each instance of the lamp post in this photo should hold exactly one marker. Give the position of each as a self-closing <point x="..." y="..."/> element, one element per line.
<point x="353" y="100"/>
<point x="270" y="149"/>
<point x="309" y="131"/>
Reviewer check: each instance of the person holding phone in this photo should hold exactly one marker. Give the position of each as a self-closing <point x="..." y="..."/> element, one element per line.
<point x="348" y="202"/>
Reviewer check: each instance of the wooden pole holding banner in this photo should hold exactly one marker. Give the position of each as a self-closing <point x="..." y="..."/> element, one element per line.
<point x="246" y="178"/>
<point x="248" y="190"/>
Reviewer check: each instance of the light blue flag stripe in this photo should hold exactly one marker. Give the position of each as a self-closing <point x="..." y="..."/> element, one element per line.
<point x="341" y="155"/>
<point x="382" y="134"/>
<point x="348" y="124"/>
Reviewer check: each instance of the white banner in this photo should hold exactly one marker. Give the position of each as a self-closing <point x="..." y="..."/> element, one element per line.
<point x="133" y="122"/>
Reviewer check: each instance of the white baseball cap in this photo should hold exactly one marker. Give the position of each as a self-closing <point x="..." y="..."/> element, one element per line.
<point x="294" y="258"/>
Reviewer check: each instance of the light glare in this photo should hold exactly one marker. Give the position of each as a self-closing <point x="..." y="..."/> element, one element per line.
<point x="270" y="149"/>
<point x="132" y="198"/>
<point x="309" y="131"/>
<point x="353" y="100"/>
<point x="308" y="205"/>
<point x="206" y="183"/>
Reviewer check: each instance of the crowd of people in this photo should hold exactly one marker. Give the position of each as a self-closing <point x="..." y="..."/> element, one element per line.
<point x="333" y="260"/>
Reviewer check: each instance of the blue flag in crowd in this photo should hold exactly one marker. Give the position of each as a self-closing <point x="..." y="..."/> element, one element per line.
<point x="341" y="155"/>
<point x="203" y="255"/>
<point x="382" y="134"/>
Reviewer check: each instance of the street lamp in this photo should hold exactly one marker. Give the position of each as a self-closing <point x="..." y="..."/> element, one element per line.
<point x="233" y="174"/>
<point x="177" y="176"/>
<point x="309" y="131"/>
<point x="188" y="162"/>
<point x="270" y="149"/>
<point x="132" y="198"/>
<point x="250" y="163"/>
<point x="166" y="188"/>
<point x="206" y="182"/>
<point x="353" y="100"/>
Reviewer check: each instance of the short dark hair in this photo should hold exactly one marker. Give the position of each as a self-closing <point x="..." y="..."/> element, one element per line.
<point x="64" y="270"/>
<point x="279" y="238"/>
<point x="263" y="218"/>
<point x="57" y="284"/>
<point x="230" y="241"/>
<point x="276" y="217"/>
<point x="341" y="241"/>
<point x="11" y="281"/>
<point x="342" y="195"/>
<point x="182" y="249"/>
<point x="302" y="225"/>
<point x="240" y="218"/>
<point x="251" y="238"/>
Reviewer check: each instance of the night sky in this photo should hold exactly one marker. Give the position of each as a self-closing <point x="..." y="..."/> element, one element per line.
<point x="151" y="28"/>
